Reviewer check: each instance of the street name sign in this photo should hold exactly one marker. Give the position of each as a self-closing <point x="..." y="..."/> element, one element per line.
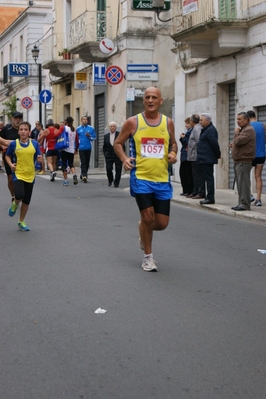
<point x="146" y="5"/>
<point x="148" y="72"/>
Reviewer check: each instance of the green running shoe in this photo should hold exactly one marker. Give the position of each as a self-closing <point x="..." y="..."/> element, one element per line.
<point x="22" y="225"/>
<point x="12" y="209"/>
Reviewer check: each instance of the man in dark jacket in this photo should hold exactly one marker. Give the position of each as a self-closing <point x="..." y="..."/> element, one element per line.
<point x="208" y="153"/>
<point x="110" y="156"/>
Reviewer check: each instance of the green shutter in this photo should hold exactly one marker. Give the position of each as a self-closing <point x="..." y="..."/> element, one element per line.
<point x="101" y="5"/>
<point x="222" y="9"/>
<point x="227" y="9"/>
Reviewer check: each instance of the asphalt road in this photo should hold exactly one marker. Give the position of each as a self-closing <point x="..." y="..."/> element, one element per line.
<point x="194" y="330"/>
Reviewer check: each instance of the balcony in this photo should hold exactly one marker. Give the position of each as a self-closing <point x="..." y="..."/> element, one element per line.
<point x="51" y="60"/>
<point x="86" y="32"/>
<point x="211" y="29"/>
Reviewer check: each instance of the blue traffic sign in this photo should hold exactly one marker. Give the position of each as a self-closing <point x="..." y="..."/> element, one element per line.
<point x="148" y="72"/>
<point x="98" y="74"/>
<point x="45" y="96"/>
<point x="114" y="75"/>
<point x="140" y="68"/>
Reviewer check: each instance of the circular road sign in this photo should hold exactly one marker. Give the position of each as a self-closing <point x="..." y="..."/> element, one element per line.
<point x="114" y="75"/>
<point x="107" y="46"/>
<point x="26" y="102"/>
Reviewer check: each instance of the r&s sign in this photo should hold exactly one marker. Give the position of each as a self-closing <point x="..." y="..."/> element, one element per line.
<point x="18" y="69"/>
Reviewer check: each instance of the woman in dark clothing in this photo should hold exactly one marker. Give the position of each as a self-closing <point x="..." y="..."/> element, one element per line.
<point x="185" y="170"/>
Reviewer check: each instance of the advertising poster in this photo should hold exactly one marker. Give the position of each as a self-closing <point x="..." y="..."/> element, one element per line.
<point x="189" y="6"/>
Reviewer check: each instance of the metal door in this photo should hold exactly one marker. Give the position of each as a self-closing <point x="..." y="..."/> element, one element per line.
<point x="99" y="128"/>
<point x="232" y="126"/>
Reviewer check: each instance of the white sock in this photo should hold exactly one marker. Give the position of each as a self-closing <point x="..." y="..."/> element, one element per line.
<point x="148" y="255"/>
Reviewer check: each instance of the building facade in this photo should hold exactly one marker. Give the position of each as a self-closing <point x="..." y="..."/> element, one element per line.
<point x="138" y="40"/>
<point x="16" y="43"/>
<point x="220" y="51"/>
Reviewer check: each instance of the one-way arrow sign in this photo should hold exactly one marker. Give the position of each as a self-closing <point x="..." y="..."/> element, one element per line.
<point x="147" y="72"/>
<point x="142" y="68"/>
<point x="45" y="96"/>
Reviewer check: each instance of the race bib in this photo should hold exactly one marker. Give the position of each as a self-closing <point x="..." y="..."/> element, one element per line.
<point x="152" y="148"/>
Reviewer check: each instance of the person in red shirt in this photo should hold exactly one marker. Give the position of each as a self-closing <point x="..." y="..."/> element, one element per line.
<point x="51" y="134"/>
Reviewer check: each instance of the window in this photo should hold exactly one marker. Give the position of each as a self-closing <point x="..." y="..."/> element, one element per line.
<point x="68" y="89"/>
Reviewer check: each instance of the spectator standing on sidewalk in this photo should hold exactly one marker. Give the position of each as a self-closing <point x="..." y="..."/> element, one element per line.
<point x="208" y="153"/>
<point x="36" y="131"/>
<point x="86" y="135"/>
<point x="185" y="170"/>
<point x="258" y="162"/>
<point x="243" y="152"/>
<point x="198" y="191"/>
<point x="110" y="156"/>
<point x="1" y="127"/>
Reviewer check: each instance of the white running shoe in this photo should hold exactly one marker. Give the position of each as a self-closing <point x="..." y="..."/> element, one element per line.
<point x="148" y="264"/>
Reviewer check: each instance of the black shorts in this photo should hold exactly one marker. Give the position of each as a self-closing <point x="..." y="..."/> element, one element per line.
<point x="23" y="191"/>
<point x="52" y="153"/>
<point x="258" y="161"/>
<point x="148" y="200"/>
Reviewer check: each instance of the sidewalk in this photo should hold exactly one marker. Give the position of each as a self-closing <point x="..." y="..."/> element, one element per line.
<point x="224" y="200"/>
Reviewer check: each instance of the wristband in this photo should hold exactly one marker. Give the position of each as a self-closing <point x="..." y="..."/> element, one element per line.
<point x="172" y="152"/>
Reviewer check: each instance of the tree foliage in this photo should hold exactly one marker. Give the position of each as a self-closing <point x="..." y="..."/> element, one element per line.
<point x="10" y="106"/>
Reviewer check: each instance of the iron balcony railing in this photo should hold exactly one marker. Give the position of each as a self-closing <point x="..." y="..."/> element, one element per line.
<point x="91" y="26"/>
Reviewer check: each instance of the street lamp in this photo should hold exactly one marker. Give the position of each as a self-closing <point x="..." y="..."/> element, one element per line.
<point x="35" y="55"/>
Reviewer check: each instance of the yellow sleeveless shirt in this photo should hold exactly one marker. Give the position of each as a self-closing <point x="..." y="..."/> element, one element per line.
<point x="25" y="168"/>
<point x="151" y="147"/>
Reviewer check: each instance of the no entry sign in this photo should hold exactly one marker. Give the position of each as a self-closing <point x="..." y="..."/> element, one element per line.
<point x="114" y="75"/>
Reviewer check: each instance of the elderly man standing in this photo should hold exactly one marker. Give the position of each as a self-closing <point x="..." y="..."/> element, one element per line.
<point x="243" y="153"/>
<point x="110" y="156"/>
<point x="208" y="153"/>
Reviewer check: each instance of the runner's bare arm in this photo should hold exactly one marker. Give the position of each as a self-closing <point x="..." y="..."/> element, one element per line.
<point x="129" y="128"/>
<point x="5" y="142"/>
<point x="172" y="156"/>
<point x="9" y="162"/>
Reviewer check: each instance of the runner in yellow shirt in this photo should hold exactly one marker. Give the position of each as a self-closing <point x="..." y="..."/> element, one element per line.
<point x="21" y="156"/>
<point x="152" y="148"/>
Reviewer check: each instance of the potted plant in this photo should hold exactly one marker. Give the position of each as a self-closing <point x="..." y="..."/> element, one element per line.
<point x="65" y="54"/>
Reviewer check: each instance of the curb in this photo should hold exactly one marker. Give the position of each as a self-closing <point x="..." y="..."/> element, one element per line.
<point x="224" y="210"/>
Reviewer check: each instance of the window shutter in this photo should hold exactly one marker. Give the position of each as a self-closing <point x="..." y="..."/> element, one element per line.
<point x="227" y="9"/>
